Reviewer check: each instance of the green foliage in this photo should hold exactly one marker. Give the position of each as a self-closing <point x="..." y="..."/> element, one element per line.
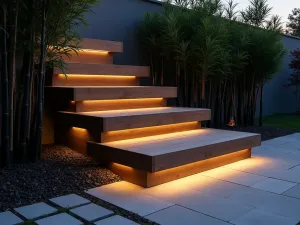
<point x="215" y="62"/>
<point x="293" y="26"/>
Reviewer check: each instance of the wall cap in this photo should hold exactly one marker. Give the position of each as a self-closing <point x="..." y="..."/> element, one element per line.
<point x="291" y="36"/>
<point x="154" y="1"/>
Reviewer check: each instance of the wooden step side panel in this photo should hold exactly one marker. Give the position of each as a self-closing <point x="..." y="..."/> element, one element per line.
<point x="104" y="69"/>
<point x="155" y="119"/>
<point x="89" y="57"/>
<point x="101" y="45"/>
<point x="118" y="104"/>
<point x="148" y="131"/>
<point x="160" y="161"/>
<point x="84" y="80"/>
<point x="82" y="94"/>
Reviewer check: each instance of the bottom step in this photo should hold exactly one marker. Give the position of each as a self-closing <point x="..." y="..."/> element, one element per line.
<point x="158" y="159"/>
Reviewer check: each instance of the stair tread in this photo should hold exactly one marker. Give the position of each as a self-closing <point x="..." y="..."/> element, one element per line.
<point x="168" y="143"/>
<point x="113" y="120"/>
<point x="142" y="111"/>
<point x="160" y="152"/>
<point x="82" y="93"/>
<point x="103" y="69"/>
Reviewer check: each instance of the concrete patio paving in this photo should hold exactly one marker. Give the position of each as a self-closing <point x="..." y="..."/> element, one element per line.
<point x="264" y="189"/>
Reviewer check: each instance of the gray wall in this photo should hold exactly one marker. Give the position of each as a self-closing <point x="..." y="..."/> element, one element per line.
<point x="277" y="98"/>
<point x="118" y="20"/>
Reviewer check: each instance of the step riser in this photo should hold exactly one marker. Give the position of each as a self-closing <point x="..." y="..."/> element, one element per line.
<point x="123" y="93"/>
<point x="88" y="106"/>
<point x="105" y="124"/>
<point x="82" y="80"/>
<point x="149" y="131"/>
<point x="101" y="45"/>
<point x="130" y="122"/>
<point x="148" y="180"/>
<point x="77" y="138"/>
<point x="90" y="57"/>
<point x="102" y="69"/>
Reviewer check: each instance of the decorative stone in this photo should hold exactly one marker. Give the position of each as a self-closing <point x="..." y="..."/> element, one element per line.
<point x="92" y="212"/>
<point x="59" y="219"/>
<point x="35" y="210"/>
<point x="69" y="201"/>
<point x="8" y="218"/>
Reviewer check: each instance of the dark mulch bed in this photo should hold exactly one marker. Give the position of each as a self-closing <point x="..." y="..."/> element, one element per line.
<point x="265" y="131"/>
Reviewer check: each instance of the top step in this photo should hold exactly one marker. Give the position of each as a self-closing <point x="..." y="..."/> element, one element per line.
<point x="101" y="45"/>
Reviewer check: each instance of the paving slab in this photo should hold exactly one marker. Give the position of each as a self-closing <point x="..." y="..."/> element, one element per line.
<point x="234" y="176"/>
<point x="293" y="192"/>
<point x="197" y="182"/>
<point x="259" y="217"/>
<point x="35" y="210"/>
<point x="274" y="185"/>
<point x="269" y="202"/>
<point x="91" y="212"/>
<point x="59" y="219"/>
<point x="292" y="175"/>
<point x="220" y="208"/>
<point x="69" y="201"/>
<point x="128" y="196"/>
<point x="262" y="166"/>
<point x="8" y="218"/>
<point x="177" y="215"/>
<point x="116" y="220"/>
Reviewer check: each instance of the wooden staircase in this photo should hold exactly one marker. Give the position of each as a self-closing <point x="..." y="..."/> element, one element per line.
<point x="102" y="112"/>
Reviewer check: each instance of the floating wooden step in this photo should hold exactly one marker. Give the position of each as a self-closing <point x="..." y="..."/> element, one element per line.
<point x="104" y="69"/>
<point x="88" y="44"/>
<point x="78" y="93"/>
<point x="167" y="152"/>
<point x="92" y="80"/>
<point x="89" y="57"/>
<point x="134" y="118"/>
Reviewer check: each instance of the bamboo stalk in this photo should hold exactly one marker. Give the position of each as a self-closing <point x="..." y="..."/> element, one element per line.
<point x="5" y="157"/>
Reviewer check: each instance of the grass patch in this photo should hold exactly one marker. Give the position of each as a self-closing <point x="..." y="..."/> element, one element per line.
<point x="283" y="121"/>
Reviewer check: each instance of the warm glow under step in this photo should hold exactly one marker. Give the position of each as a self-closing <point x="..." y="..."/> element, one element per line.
<point x="104" y="69"/>
<point x="162" y="152"/>
<point x="88" y="44"/>
<point x="134" y="118"/>
<point x="81" y="93"/>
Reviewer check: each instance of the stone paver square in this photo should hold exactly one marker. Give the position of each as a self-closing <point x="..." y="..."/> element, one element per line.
<point x="129" y="196"/>
<point x="177" y="215"/>
<point x="294" y="192"/>
<point x="259" y="217"/>
<point x="59" y="219"/>
<point x="8" y="218"/>
<point x="274" y="185"/>
<point x="69" y="201"/>
<point x="35" y="210"/>
<point x="116" y="220"/>
<point x="92" y="212"/>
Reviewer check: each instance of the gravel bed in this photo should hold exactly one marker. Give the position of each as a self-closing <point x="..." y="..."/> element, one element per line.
<point x="266" y="132"/>
<point x="60" y="171"/>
